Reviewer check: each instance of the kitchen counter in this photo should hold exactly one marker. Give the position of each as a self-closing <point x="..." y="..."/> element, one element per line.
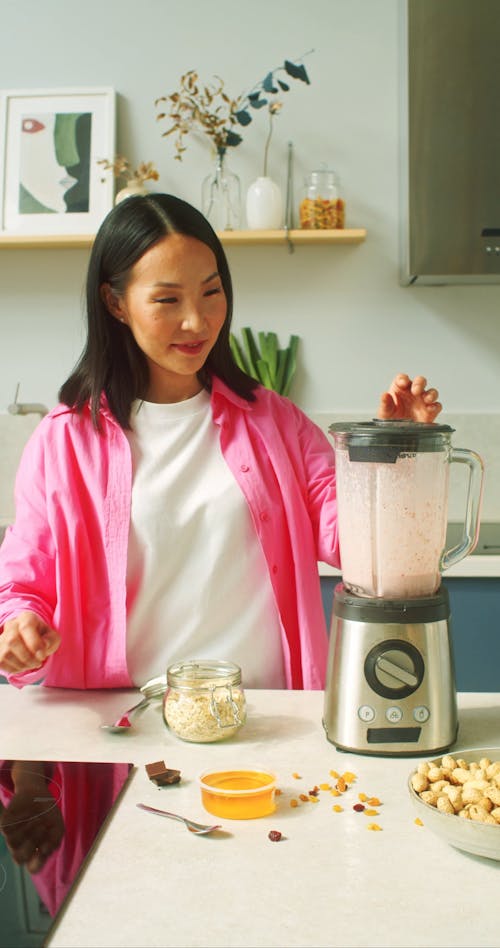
<point x="330" y="882"/>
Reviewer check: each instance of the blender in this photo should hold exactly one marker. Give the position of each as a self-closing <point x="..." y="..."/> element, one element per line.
<point x="390" y="684"/>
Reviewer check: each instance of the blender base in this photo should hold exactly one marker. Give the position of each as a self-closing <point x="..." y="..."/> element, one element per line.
<point x="390" y="688"/>
<point x="421" y="752"/>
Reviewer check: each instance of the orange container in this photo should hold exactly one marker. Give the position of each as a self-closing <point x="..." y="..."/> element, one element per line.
<point x="238" y="794"/>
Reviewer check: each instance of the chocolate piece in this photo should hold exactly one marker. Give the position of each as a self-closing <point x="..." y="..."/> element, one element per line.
<point x="162" y="775"/>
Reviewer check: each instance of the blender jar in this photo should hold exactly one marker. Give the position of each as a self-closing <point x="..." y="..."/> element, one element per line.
<point x="392" y="495"/>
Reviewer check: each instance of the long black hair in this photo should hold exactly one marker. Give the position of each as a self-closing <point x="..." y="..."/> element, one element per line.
<point x="111" y="362"/>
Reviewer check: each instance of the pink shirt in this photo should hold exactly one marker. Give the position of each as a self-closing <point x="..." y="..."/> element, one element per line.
<point x="65" y="558"/>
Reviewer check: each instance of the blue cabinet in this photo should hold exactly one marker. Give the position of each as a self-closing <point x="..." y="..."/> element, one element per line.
<point x="475" y="627"/>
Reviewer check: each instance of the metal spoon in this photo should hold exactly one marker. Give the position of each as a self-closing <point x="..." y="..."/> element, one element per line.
<point x="200" y="829"/>
<point x="152" y="689"/>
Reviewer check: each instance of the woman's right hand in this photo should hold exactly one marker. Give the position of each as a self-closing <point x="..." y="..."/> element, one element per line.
<point x="26" y="641"/>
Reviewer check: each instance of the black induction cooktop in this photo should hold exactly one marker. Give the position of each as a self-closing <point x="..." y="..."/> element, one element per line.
<point x="51" y="815"/>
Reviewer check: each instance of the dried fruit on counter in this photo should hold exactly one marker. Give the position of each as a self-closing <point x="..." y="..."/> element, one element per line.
<point x="274" y="836"/>
<point x="162" y="775"/>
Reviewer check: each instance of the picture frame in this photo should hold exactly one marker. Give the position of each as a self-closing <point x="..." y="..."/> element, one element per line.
<point x="50" y="143"/>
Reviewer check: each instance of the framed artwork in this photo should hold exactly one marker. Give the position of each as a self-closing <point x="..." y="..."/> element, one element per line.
<point x="50" y="143"/>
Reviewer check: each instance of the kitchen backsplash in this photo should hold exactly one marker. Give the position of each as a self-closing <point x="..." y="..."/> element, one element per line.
<point x="478" y="432"/>
<point x="14" y="432"/>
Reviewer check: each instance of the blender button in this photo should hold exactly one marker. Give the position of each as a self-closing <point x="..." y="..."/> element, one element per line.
<point x="366" y="713"/>
<point x="421" y="714"/>
<point x="394" y="714"/>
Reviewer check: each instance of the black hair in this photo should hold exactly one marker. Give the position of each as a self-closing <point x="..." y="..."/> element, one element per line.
<point x="111" y="362"/>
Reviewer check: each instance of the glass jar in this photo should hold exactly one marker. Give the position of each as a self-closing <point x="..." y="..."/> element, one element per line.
<point x="204" y="700"/>
<point x="321" y="207"/>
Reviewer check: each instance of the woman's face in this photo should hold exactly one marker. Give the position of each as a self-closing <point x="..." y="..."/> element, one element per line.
<point x="175" y="306"/>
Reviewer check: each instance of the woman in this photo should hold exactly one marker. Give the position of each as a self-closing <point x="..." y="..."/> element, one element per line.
<point x="170" y="507"/>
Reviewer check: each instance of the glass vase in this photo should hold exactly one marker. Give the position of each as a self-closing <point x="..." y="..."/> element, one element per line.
<point x="221" y="196"/>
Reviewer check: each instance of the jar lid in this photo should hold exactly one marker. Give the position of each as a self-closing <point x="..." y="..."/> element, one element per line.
<point x="323" y="174"/>
<point x="203" y="673"/>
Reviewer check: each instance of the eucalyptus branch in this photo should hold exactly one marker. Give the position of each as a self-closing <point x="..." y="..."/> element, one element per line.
<point x="207" y="109"/>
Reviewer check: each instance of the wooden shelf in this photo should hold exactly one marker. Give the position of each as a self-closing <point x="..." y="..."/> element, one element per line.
<point x="45" y="241"/>
<point x="232" y="237"/>
<point x="227" y="237"/>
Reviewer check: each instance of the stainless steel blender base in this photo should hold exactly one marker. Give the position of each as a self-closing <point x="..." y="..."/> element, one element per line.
<point x="390" y="682"/>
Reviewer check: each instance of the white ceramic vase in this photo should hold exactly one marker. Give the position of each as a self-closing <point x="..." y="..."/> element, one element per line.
<point x="264" y="205"/>
<point x="134" y="186"/>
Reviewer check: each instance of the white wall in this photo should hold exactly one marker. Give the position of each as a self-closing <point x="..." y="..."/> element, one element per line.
<point x="358" y="325"/>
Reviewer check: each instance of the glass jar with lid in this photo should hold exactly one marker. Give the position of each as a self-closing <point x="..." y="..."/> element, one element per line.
<point x="321" y="207"/>
<point x="204" y="700"/>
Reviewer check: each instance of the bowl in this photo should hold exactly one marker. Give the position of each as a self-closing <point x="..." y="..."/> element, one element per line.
<point x="470" y="836"/>
<point x="238" y="794"/>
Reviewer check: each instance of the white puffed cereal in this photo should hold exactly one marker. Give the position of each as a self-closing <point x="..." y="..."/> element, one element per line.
<point x="460" y="775"/>
<point x="444" y="804"/>
<point x="420" y="783"/>
<point x="493" y="794"/>
<point x="454" y="795"/>
<point x="428" y="796"/>
<point x="477" y="784"/>
<point x="448" y="762"/>
<point x="471" y="790"/>
<point x="479" y="814"/>
<point x="471" y="794"/>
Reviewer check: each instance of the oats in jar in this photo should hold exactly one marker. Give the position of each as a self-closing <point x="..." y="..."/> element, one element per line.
<point x="204" y="701"/>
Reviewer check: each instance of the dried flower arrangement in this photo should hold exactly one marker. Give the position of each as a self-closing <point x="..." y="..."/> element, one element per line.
<point x="121" y="168"/>
<point x="206" y="108"/>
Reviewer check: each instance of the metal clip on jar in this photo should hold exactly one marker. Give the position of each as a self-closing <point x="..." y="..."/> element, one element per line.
<point x="204" y="700"/>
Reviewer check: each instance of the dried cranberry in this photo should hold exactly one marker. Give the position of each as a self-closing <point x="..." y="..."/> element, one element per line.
<point x="274" y="835"/>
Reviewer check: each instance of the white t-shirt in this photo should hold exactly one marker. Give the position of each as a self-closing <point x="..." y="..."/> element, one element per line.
<point x="198" y="586"/>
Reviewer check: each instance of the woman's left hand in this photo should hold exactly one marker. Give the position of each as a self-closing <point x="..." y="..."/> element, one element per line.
<point x="409" y="398"/>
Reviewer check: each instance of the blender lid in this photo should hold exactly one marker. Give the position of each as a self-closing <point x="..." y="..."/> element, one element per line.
<point x="378" y="427"/>
<point x="386" y="440"/>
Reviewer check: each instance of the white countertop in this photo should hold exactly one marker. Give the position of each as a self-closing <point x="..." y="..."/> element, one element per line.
<point x="330" y="882"/>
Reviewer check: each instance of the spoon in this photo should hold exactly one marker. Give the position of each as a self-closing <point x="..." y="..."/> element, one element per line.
<point x="200" y="829"/>
<point x="152" y="689"/>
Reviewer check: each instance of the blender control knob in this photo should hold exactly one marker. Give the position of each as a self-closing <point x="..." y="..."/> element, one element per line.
<point x="394" y="668"/>
<point x="396" y="671"/>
